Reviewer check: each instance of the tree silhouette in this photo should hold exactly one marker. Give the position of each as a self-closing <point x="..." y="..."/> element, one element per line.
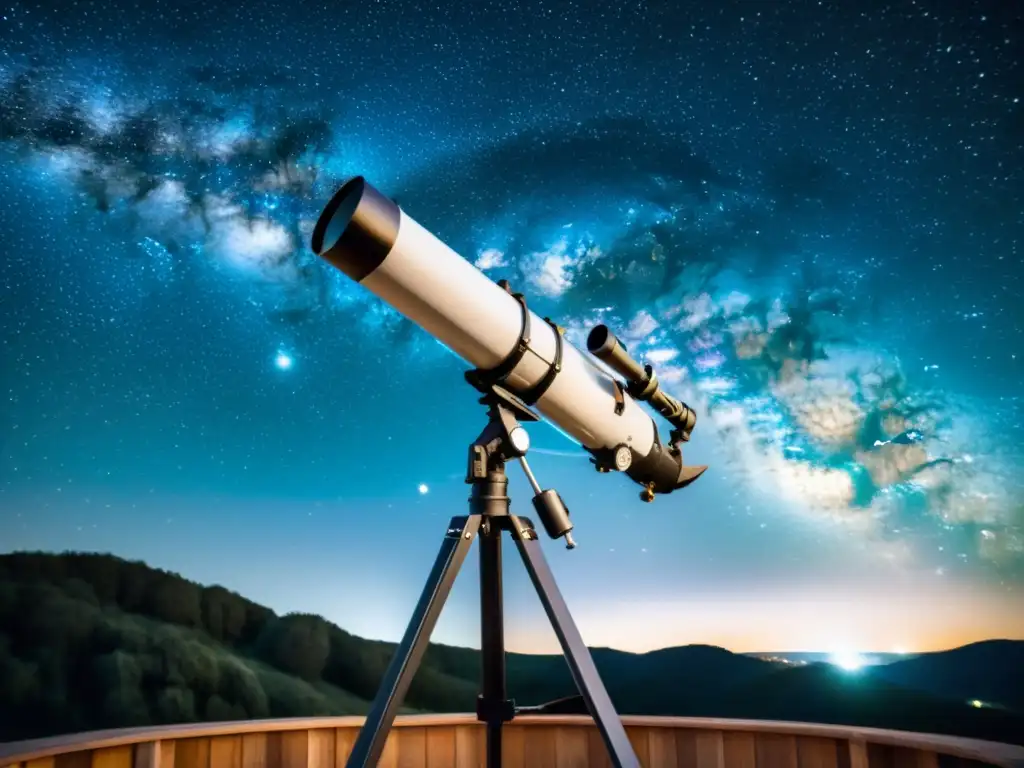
<point x="296" y="643"/>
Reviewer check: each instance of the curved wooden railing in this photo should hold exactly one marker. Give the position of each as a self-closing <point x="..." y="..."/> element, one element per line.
<point x="546" y="741"/>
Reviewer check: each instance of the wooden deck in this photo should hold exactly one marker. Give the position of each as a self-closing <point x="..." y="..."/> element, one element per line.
<point x="440" y="741"/>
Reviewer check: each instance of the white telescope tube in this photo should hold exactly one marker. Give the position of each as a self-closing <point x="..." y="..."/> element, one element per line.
<point x="369" y="238"/>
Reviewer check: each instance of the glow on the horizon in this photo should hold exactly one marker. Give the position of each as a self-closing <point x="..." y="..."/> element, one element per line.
<point x="849" y="661"/>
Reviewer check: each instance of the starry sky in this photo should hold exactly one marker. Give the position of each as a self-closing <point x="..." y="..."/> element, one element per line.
<point x="806" y="214"/>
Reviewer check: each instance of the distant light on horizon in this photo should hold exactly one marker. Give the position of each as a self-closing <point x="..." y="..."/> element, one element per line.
<point x="977" y="703"/>
<point x="283" y="361"/>
<point x="851" y="662"/>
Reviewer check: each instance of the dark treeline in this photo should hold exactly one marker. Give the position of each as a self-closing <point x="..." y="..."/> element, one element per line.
<point x="93" y="641"/>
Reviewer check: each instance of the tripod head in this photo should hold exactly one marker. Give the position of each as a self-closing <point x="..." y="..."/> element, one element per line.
<point x="503" y="439"/>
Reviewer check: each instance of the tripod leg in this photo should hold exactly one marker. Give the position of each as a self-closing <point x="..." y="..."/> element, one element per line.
<point x="370" y="742"/>
<point x="493" y="706"/>
<point x="588" y="681"/>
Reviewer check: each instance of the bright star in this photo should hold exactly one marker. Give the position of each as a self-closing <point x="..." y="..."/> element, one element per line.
<point x="283" y="361"/>
<point x="423" y="488"/>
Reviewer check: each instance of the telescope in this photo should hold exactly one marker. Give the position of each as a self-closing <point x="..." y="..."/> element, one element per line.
<point x="521" y="362"/>
<point x="369" y="238"/>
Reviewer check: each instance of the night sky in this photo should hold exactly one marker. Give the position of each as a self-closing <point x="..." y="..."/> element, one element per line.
<point x="807" y="214"/>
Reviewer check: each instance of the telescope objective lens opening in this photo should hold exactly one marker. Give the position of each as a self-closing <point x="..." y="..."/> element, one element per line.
<point x="336" y="216"/>
<point x="357" y="229"/>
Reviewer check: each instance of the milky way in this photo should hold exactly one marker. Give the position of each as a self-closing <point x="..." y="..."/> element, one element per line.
<point x="761" y="333"/>
<point x="810" y="227"/>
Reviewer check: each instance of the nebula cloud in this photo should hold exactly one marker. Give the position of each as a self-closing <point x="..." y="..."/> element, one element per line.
<point x="225" y="177"/>
<point x="831" y="423"/>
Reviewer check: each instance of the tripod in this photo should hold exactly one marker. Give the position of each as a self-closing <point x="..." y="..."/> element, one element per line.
<point x="502" y="439"/>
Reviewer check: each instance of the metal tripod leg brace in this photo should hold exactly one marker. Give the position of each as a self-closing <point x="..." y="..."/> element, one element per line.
<point x="503" y="438"/>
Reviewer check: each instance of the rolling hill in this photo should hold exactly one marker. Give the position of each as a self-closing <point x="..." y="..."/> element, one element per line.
<point x="93" y="641"/>
<point x="991" y="672"/>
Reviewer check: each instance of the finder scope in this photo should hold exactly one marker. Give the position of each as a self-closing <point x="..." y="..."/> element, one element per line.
<point x="641" y="381"/>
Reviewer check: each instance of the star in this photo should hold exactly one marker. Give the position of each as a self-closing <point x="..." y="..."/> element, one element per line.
<point x="283" y="361"/>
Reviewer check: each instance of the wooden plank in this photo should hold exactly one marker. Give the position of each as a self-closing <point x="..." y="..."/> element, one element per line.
<point x="389" y="757"/>
<point x="147" y="755"/>
<point x="113" y="757"/>
<point x="775" y="750"/>
<point x="638" y="738"/>
<point x="857" y="753"/>
<point x="167" y="749"/>
<point x="739" y="749"/>
<point x="273" y="756"/>
<point x="711" y="749"/>
<point x="843" y="754"/>
<point x="412" y="747"/>
<point x="571" y="747"/>
<point x="42" y="762"/>
<point x="82" y="759"/>
<point x="901" y="757"/>
<point x="910" y="757"/>
<point x="664" y="752"/>
<point x="539" y="747"/>
<point x="513" y="746"/>
<point x="882" y="755"/>
<point x="470" y="746"/>
<point x="344" y="740"/>
<point x="321" y="748"/>
<point x="192" y="753"/>
<point x="686" y="747"/>
<point x="226" y="752"/>
<point x="596" y="749"/>
<point x="440" y="747"/>
<point x="294" y="749"/>
<point x="813" y="752"/>
<point x="151" y="755"/>
<point x="254" y="750"/>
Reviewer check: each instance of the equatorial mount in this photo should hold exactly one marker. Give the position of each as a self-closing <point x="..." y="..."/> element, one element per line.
<point x="505" y="438"/>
